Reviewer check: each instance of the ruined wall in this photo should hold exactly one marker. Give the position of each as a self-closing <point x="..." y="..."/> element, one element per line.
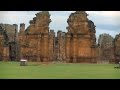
<point x="106" y="48"/>
<point x="52" y="53"/>
<point x="23" y="43"/>
<point x="8" y="35"/>
<point x="37" y="43"/>
<point x="34" y="41"/>
<point x="80" y="38"/>
<point x="93" y="44"/>
<point x="117" y="48"/>
<point x="1" y="43"/>
<point x="60" y="46"/>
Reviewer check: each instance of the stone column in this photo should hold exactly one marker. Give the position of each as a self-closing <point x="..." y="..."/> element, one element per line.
<point x="51" y="45"/>
<point x="45" y="48"/>
<point x="16" y="42"/>
<point x="22" y="28"/>
<point x="39" y="49"/>
<point x="42" y="45"/>
<point x="93" y="54"/>
<point x="51" y="48"/>
<point x="67" y="47"/>
<point x="75" y="48"/>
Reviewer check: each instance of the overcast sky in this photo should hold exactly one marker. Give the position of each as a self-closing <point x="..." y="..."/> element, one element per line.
<point x="105" y="21"/>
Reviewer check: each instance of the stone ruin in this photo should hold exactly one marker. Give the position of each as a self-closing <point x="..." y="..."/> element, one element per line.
<point x="80" y="42"/>
<point x="8" y="42"/>
<point x="38" y="43"/>
<point x="117" y="48"/>
<point x="60" y="46"/>
<point x="34" y="41"/>
<point x="106" y="48"/>
<point x="52" y="53"/>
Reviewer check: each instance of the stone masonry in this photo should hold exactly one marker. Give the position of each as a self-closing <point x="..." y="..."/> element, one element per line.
<point x="8" y="42"/>
<point x="34" y="41"/>
<point x="38" y="42"/>
<point x="80" y="38"/>
<point x="106" y="48"/>
<point x="117" y="48"/>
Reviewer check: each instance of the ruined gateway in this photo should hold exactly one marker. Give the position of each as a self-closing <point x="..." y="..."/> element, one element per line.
<point x="39" y="43"/>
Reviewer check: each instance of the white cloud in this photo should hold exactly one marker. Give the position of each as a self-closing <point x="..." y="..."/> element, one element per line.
<point x="58" y="23"/>
<point x="107" y="17"/>
<point x="105" y="13"/>
<point x="59" y="19"/>
<point x="16" y="17"/>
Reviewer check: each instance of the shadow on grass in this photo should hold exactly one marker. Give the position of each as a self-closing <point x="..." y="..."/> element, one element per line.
<point x="117" y="67"/>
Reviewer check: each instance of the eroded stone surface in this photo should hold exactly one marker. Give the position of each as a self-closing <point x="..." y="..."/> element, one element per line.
<point x="80" y="38"/>
<point x="106" y="47"/>
<point x="38" y="43"/>
<point x="117" y="48"/>
<point x="34" y="41"/>
<point x="8" y="42"/>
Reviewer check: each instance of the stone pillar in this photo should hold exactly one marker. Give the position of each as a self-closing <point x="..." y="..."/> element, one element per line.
<point x="16" y="42"/>
<point x="22" y="27"/>
<point x="93" y="55"/>
<point x="16" y="27"/>
<point x="51" y="49"/>
<point x="117" y="48"/>
<point x="39" y="49"/>
<point x="67" y="47"/>
<point x="75" y="48"/>
<point x="45" y="48"/>
<point x="51" y="45"/>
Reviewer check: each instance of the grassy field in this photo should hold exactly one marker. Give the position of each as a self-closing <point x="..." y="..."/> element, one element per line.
<point x="13" y="70"/>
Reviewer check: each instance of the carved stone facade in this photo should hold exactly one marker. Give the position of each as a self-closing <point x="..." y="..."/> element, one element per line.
<point x="80" y="38"/>
<point x="106" y="48"/>
<point x="117" y="48"/>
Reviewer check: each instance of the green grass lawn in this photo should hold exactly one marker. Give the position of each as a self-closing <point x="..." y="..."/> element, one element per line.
<point x="13" y="70"/>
